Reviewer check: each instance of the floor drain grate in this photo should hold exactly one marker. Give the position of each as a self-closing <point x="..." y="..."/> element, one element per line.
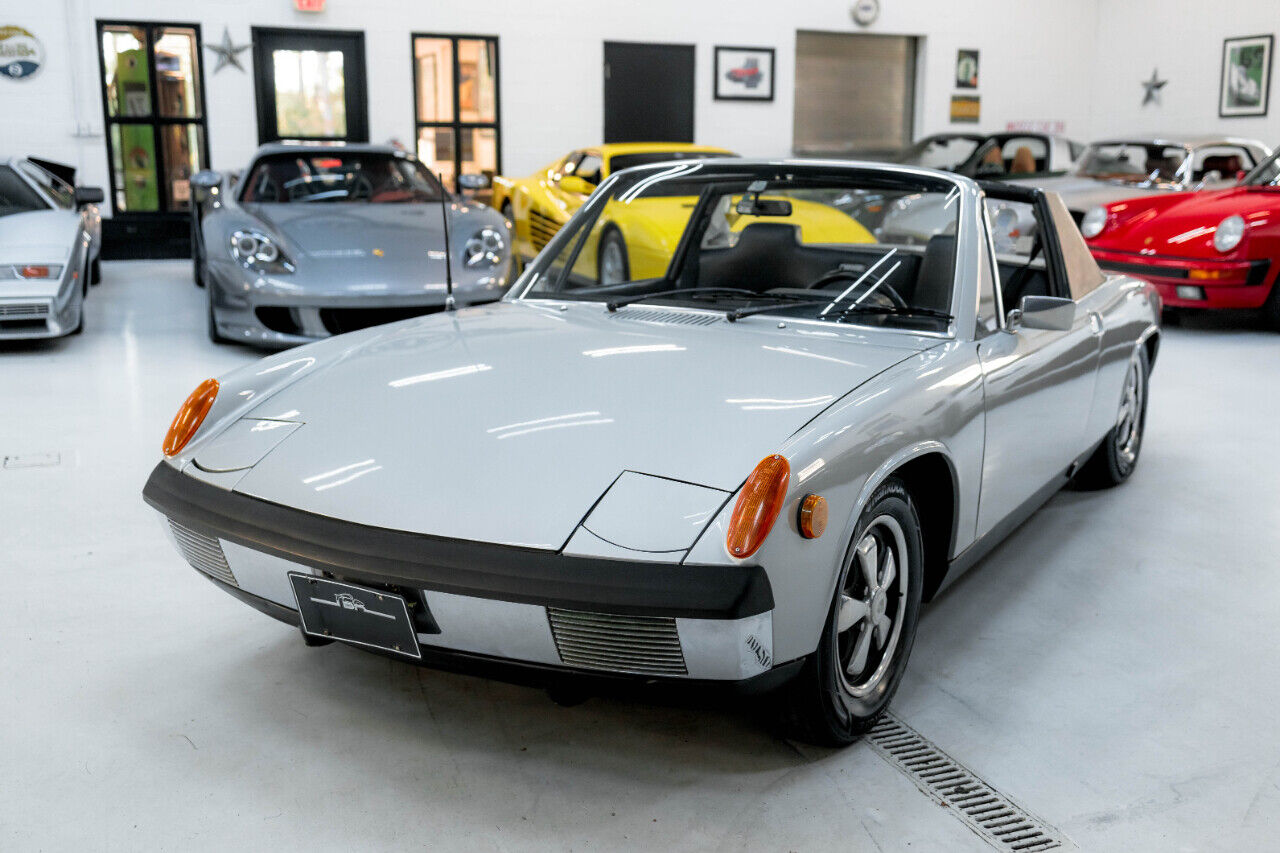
<point x="988" y="812"/>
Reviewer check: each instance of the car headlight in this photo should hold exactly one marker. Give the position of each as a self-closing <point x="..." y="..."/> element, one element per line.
<point x="257" y="251"/>
<point x="1094" y="221"/>
<point x="484" y="249"/>
<point x="1229" y="234"/>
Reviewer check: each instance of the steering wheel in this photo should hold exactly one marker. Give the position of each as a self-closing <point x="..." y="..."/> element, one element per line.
<point x="361" y="188"/>
<point x="884" y="292"/>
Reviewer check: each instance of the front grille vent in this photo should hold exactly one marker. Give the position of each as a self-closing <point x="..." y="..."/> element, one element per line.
<point x="541" y="229"/>
<point x="668" y="318"/>
<point x="987" y="812"/>
<point x="204" y="553"/>
<point x="24" y="310"/>
<point x="648" y="645"/>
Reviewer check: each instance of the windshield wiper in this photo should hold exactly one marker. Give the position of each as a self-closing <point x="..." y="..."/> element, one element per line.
<point x="840" y="313"/>
<point x="701" y="292"/>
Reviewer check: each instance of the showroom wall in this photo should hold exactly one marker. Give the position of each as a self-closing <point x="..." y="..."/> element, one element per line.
<point x="1184" y="42"/>
<point x="551" y="55"/>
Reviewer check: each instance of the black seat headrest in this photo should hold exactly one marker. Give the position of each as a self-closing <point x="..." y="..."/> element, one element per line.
<point x="937" y="273"/>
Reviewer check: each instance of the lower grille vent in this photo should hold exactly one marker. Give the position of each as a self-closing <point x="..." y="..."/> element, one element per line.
<point x="988" y="812"/>
<point x="204" y="553"/>
<point x="541" y="229"/>
<point x="24" y="309"/>
<point x="647" y="645"/>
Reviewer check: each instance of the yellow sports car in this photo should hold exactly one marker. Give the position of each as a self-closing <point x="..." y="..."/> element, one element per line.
<point x="635" y="239"/>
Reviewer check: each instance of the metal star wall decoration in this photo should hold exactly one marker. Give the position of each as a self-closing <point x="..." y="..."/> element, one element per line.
<point x="1153" y="87"/>
<point x="227" y="53"/>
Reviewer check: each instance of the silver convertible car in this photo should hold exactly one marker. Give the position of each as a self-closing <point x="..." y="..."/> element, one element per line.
<point x="747" y="471"/>
<point x="316" y="239"/>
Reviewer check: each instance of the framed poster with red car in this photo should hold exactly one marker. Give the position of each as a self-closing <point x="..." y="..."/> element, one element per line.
<point x="744" y="74"/>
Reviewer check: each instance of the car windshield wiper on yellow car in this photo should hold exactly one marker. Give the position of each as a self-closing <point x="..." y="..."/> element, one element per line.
<point x="697" y="293"/>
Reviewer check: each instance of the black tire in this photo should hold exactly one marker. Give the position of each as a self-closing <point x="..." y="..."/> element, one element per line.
<point x="517" y="263"/>
<point x="95" y="271"/>
<point x="1171" y="317"/>
<point x="612" y="241"/>
<point x="84" y="295"/>
<point x="820" y="706"/>
<point x="1117" y="456"/>
<point x="1271" y="308"/>
<point x="212" y="323"/>
<point x="197" y="267"/>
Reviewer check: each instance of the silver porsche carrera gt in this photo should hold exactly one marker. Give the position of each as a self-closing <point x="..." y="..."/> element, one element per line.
<point x="316" y="239"/>
<point x="746" y="471"/>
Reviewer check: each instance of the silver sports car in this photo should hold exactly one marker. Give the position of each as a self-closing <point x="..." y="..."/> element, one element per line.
<point x="315" y="239"/>
<point x="50" y="235"/>
<point x="747" y="471"/>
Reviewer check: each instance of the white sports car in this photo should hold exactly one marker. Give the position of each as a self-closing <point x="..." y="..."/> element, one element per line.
<point x="748" y="470"/>
<point x="50" y="235"/>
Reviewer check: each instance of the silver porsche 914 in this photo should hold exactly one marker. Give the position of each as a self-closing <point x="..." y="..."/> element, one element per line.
<point x="316" y="239"/>
<point x="747" y="468"/>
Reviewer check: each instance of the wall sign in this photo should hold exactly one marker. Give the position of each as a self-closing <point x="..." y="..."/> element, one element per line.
<point x="744" y="74"/>
<point x="1246" y="76"/>
<point x="1152" y="87"/>
<point x="966" y="109"/>
<point x="309" y="5"/>
<point x="966" y="69"/>
<point x="21" y="53"/>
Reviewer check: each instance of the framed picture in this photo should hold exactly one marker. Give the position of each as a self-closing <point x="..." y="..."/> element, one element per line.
<point x="966" y="69"/>
<point x="966" y="109"/>
<point x="1246" y="76"/>
<point x="744" y="74"/>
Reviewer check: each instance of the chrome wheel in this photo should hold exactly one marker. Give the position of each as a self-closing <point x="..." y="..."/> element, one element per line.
<point x="613" y="261"/>
<point x="873" y="603"/>
<point x="1128" y="433"/>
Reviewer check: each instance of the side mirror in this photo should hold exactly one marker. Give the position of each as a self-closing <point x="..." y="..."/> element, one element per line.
<point x="88" y="195"/>
<point x="473" y="182"/>
<point x="1240" y="176"/>
<point x="574" y="184"/>
<point x="203" y="184"/>
<point x="1052" y="313"/>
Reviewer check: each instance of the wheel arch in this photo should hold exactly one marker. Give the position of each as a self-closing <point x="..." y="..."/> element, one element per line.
<point x="1151" y="341"/>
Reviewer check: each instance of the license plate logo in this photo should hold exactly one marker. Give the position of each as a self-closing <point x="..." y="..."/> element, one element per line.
<point x="362" y="615"/>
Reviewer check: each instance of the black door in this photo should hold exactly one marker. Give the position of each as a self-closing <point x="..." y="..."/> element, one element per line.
<point x="648" y="92"/>
<point x="310" y="85"/>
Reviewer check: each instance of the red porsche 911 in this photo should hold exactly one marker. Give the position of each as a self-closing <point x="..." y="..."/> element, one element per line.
<point x="1215" y="249"/>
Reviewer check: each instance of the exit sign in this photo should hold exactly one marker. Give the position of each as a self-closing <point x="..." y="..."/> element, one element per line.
<point x="309" y="5"/>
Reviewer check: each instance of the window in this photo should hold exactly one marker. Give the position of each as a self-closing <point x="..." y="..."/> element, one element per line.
<point x="310" y="84"/>
<point x="55" y="188"/>
<point x="455" y="84"/>
<point x="153" y="101"/>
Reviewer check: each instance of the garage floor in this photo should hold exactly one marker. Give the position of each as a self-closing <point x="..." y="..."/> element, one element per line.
<point x="1113" y="667"/>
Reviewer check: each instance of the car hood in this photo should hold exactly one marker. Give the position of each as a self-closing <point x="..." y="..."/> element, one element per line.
<point x="1080" y="194"/>
<point x="1182" y="224"/>
<point x="37" y="237"/>
<point x="506" y="423"/>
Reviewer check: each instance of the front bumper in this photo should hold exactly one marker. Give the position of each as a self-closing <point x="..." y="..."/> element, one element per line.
<point x="1194" y="283"/>
<point x="44" y="309"/>
<point x="521" y="607"/>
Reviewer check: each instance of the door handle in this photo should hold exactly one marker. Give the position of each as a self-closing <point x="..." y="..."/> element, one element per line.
<point x="1095" y="322"/>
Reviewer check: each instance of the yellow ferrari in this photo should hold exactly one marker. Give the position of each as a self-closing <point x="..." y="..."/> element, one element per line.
<point x="635" y="239"/>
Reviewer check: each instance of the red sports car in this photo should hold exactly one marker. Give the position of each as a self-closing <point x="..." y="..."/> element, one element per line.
<point x="1215" y="249"/>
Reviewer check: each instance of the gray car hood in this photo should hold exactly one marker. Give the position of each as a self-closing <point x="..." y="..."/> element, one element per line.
<point x="38" y="236"/>
<point x="506" y="423"/>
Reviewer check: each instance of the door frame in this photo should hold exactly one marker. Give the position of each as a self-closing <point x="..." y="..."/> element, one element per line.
<point x="605" y="77"/>
<point x="357" y="100"/>
<point x="457" y="125"/>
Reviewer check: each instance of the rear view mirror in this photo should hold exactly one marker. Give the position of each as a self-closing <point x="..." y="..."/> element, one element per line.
<point x="1052" y="313"/>
<point x="473" y="182"/>
<point x="88" y="195"/>
<point x="574" y="184"/>
<point x="756" y="206"/>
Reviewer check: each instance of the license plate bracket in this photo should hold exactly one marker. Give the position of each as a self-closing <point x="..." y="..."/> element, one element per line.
<point x="374" y="618"/>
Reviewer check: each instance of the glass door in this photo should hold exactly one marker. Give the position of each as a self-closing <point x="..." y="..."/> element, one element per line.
<point x="455" y="83"/>
<point x="310" y="85"/>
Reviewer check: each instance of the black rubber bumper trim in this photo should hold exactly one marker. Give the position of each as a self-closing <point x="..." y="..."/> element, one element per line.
<point x="548" y="675"/>
<point x="482" y="569"/>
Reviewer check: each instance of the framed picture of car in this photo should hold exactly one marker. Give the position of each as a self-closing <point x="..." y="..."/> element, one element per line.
<point x="1246" y="76"/>
<point x="744" y="74"/>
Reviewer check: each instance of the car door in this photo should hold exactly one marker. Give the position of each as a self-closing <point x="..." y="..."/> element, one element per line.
<point x="1038" y="384"/>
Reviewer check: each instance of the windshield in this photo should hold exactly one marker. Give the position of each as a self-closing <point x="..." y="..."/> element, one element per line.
<point x="939" y="152"/>
<point x="1266" y="173"/>
<point x="808" y="244"/>
<point x="1007" y="155"/>
<point x="313" y="177"/>
<point x="618" y="162"/>
<point x="16" y="195"/>
<point x="1132" y="162"/>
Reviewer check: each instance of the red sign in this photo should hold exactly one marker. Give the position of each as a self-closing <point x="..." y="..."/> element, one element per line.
<point x="309" y="5"/>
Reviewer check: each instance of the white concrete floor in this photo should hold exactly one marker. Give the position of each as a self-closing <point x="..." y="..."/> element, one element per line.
<point x="1114" y="667"/>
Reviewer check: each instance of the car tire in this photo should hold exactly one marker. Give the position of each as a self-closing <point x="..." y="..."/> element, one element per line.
<point x="1171" y="317"/>
<point x="611" y="259"/>
<point x="197" y="266"/>
<point x="95" y="271"/>
<point x="846" y="685"/>
<point x="1271" y="308"/>
<point x="517" y="264"/>
<point x="1117" y="456"/>
<point x="212" y="321"/>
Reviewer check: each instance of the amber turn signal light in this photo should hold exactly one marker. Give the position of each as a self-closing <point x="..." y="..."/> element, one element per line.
<point x="758" y="506"/>
<point x="190" y="416"/>
<point x="813" y="516"/>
